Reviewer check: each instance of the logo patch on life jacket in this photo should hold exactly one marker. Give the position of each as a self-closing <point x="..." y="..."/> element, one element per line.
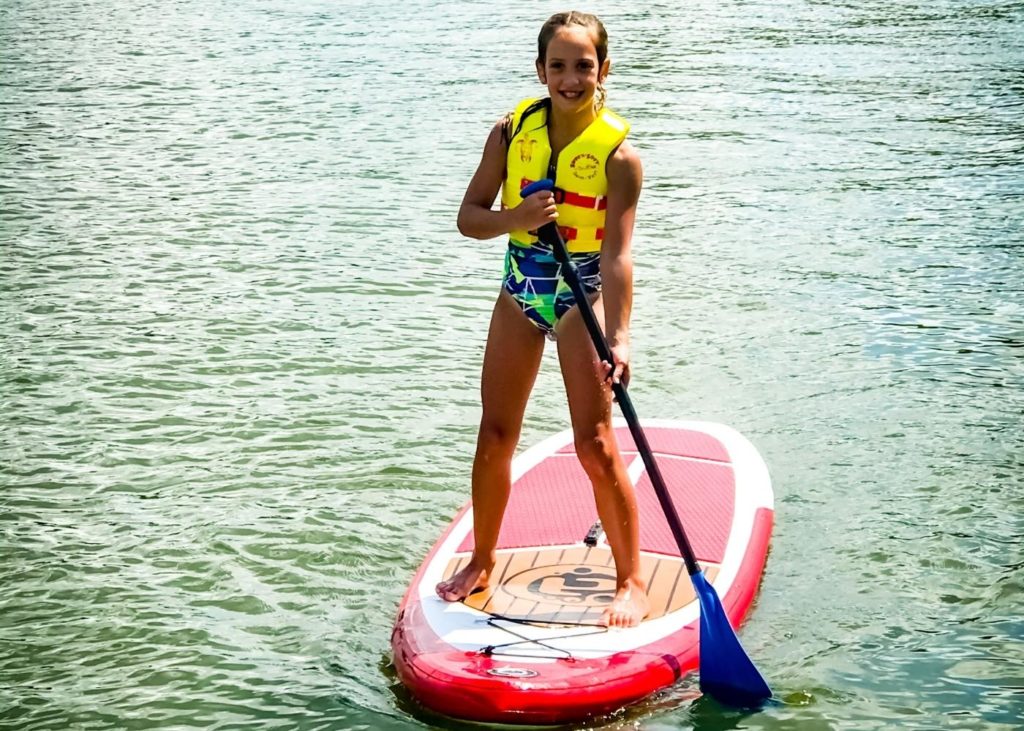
<point x="525" y="145"/>
<point x="584" y="166"/>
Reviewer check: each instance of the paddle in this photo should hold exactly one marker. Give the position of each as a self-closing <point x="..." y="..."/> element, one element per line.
<point x="726" y="673"/>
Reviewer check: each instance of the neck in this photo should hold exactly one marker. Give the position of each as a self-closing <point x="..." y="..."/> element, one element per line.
<point x="563" y="127"/>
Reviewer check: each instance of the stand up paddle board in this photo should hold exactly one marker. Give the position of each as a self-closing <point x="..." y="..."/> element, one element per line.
<point x="528" y="650"/>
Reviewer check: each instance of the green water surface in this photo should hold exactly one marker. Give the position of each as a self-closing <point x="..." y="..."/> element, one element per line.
<point x="242" y="340"/>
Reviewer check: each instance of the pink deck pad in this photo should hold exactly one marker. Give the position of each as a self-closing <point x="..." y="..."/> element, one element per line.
<point x="678" y="442"/>
<point x="553" y="503"/>
<point x="703" y="495"/>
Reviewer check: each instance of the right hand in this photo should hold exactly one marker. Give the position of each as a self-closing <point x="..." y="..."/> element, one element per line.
<point x="535" y="210"/>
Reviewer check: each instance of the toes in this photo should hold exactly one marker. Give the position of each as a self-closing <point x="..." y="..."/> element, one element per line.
<point x="450" y="592"/>
<point x="619" y="619"/>
<point x="462" y="585"/>
<point x="447" y="592"/>
<point x="450" y="596"/>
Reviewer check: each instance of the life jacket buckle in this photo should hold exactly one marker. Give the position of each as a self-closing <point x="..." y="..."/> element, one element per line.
<point x="559" y="195"/>
<point x="598" y="199"/>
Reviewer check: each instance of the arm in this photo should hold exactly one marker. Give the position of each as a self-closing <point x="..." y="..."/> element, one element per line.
<point x="625" y="178"/>
<point x="477" y="219"/>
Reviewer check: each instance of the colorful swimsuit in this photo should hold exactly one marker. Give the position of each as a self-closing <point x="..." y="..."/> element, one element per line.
<point x="534" y="279"/>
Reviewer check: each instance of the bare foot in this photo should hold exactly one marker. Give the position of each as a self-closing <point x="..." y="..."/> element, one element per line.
<point x="471" y="579"/>
<point x="628" y="608"/>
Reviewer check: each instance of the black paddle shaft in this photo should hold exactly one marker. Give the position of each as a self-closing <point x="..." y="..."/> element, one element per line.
<point x="550" y="235"/>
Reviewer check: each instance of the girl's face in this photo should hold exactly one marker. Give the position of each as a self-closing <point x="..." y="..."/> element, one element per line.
<point x="570" y="69"/>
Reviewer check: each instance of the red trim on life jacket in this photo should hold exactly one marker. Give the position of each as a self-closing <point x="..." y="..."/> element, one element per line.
<point x="595" y="203"/>
<point x="569" y="233"/>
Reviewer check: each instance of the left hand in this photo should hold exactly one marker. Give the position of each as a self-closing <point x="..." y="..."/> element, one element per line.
<point x="618" y="370"/>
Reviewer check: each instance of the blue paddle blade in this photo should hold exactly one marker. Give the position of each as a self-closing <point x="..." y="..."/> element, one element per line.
<point x="726" y="673"/>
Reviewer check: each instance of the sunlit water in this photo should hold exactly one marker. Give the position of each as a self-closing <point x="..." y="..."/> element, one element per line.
<point x="242" y="338"/>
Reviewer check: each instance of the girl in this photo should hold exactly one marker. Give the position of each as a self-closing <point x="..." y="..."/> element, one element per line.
<point x="571" y="138"/>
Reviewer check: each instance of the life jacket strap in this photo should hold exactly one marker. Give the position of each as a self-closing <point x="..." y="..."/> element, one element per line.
<point x="595" y="203"/>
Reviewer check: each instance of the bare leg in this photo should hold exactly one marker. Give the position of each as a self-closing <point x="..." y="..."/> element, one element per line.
<point x="590" y="406"/>
<point x="511" y="361"/>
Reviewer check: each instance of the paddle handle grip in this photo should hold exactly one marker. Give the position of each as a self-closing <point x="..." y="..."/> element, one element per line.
<point x="542" y="184"/>
<point x="551" y="236"/>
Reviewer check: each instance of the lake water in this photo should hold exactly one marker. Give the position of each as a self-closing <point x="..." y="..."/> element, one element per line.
<point x="242" y="339"/>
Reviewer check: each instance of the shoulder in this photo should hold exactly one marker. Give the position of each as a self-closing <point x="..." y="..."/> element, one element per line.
<point x="503" y="128"/>
<point x="500" y="133"/>
<point x="624" y="164"/>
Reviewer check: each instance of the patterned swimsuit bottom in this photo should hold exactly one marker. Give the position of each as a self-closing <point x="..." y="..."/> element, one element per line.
<point x="534" y="279"/>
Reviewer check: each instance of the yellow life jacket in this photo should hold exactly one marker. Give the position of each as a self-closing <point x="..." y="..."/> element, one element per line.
<point x="581" y="179"/>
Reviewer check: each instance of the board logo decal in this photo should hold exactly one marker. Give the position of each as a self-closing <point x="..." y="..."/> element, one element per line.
<point x="513" y="672"/>
<point x="565" y="583"/>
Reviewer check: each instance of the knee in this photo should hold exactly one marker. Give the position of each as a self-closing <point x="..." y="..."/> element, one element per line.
<point x="596" y="451"/>
<point x="496" y="440"/>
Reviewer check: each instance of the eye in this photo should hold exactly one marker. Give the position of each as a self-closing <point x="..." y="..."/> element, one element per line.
<point x="555" y="65"/>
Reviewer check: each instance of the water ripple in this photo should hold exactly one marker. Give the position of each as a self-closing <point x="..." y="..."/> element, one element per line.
<point x="243" y="339"/>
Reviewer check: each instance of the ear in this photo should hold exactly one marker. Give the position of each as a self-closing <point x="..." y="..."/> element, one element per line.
<point x="606" y="69"/>
<point x="540" y="72"/>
